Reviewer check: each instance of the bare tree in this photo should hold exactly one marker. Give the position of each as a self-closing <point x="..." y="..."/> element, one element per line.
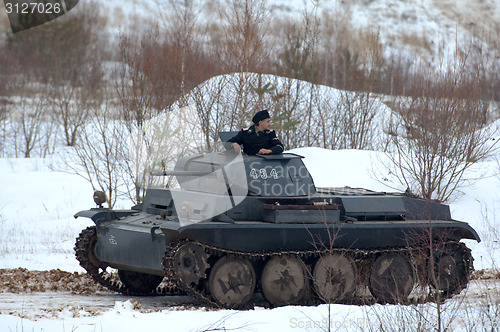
<point x="98" y="154"/>
<point x="142" y="81"/>
<point x="3" y="128"/>
<point x="6" y="93"/>
<point x="70" y="106"/>
<point x="209" y="99"/>
<point x="29" y="118"/>
<point x="244" y="28"/>
<point x="179" y="30"/>
<point x="151" y="85"/>
<point x="435" y="139"/>
<point x="357" y="113"/>
<point x="241" y="48"/>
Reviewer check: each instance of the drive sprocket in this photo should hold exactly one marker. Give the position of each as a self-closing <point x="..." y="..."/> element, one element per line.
<point x="190" y="263"/>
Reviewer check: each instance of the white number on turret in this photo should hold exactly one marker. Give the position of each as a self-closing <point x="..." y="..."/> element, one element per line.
<point x="262" y="173"/>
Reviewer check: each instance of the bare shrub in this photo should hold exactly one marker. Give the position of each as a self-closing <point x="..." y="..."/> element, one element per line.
<point x="357" y="111"/>
<point x="156" y="146"/>
<point x="153" y="75"/>
<point x="224" y="103"/>
<point x="439" y="134"/>
<point x="71" y="103"/>
<point x="26" y="128"/>
<point x="209" y="99"/>
<point x="242" y="43"/>
<point x="29" y="117"/>
<point x="98" y="155"/>
<point x="6" y="92"/>
<point x="217" y="102"/>
<point x="303" y="114"/>
<point x="481" y="311"/>
<point x="419" y="317"/>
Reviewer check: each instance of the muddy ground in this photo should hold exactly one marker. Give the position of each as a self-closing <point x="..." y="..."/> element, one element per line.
<point x="38" y="294"/>
<point x="56" y="293"/>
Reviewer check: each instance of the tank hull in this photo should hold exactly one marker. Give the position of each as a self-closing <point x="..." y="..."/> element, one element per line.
<point x="138" y="243"/>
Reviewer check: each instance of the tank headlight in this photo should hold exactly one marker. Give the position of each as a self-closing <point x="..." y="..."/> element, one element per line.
<point x="100" y="198"/>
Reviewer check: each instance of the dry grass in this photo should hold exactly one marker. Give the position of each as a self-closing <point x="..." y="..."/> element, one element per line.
<point x="486" y="274"/>
<point x="418" y="42"/>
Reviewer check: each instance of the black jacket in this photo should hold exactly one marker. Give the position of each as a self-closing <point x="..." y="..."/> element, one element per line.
<point x="254" y="140"/>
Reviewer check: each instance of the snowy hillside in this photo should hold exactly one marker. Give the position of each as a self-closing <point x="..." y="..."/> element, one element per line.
<point x="430" y="29"/>
<point x="429" y="32"/>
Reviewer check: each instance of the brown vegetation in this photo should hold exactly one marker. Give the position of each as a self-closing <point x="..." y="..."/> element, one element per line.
<point x="25" y="281"/>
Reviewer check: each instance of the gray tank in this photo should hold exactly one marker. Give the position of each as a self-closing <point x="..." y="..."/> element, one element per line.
<point x="244" y="229"/>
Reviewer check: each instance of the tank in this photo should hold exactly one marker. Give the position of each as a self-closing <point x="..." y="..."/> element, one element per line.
<point x="245" y="230"/>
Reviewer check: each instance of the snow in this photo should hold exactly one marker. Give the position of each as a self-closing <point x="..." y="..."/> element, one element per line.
<point x="348" y="168"/>
<point x="36" y="209"/>
<point x="123" y="317"/>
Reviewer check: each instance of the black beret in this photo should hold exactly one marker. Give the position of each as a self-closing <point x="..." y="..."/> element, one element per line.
<point x="259" y="116"/>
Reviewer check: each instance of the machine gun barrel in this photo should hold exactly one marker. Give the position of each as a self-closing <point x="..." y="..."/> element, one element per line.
<point x="181" y="173"/>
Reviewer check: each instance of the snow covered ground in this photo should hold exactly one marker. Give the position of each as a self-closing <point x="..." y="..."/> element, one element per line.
<point x="38" y="231"/>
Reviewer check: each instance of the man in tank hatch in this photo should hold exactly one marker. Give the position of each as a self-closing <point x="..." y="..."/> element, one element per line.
<point x="258" y="138"/>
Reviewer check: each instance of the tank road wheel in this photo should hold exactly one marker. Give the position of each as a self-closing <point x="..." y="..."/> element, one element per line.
<point x="335" y="277"/>
<point x="139" y="283"/>
<point x="391" y="279"/>
<point x="232" y="281"/>
<point x="451" y="271"/>
<point x="284" y="280"/>
<point x="190" y="263"/>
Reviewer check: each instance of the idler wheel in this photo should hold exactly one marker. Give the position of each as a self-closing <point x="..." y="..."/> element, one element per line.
<point x="85" y="251"/>
<point x="190" y="263"/>
<point x="284" y="280"/>
<point x="139" y="283"/>
<point x="335" y="277"/>
<point x="450" y="271"/>
<point x="391" y="279"/>
<point x="232" y="281"/>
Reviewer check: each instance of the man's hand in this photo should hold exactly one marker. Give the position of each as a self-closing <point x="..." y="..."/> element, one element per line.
<point x="237" y="148"/>
<point x="265" y="151"/>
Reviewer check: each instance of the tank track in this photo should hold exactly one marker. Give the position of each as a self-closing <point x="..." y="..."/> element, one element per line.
<point x="174" y="285"/>
<point x="84" y="254"/>
<point x="361" y="258"/>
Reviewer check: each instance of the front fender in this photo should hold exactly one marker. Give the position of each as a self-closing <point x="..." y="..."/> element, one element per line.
<point x="467" y="232"/>
<point x="99" y="215"/>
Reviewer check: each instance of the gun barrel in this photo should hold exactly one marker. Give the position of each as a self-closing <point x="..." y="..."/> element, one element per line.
<point x="181" y="173"/>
